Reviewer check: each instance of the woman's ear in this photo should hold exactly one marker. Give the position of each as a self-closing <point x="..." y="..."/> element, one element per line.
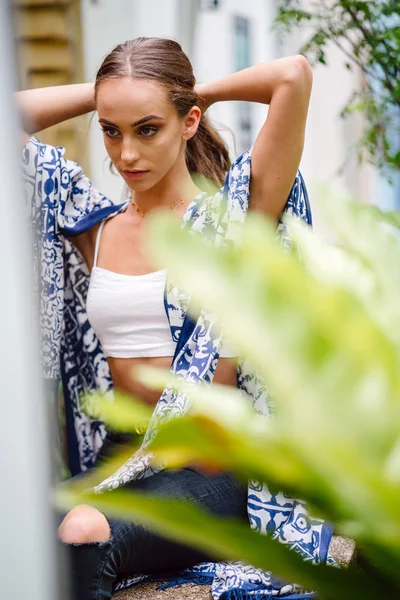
<point x="191" y="123"/>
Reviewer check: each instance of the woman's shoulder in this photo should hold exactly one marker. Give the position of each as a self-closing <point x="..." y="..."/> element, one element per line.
<point x="63" y="187"/>
<point x="44" y="158"/>
<point x="237" y="175"/>
<point x="46" y="164"/>
<point x="34" y="149"/>
<point x="240" y="169"/>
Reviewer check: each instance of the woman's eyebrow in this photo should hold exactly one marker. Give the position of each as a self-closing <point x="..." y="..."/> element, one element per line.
<point x="140" y="122"/>
<point x="145" y="119"/>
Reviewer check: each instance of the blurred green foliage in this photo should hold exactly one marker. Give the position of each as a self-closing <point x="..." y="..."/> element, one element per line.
<point x="367" y="32"/>
<point x="324" y="332"/>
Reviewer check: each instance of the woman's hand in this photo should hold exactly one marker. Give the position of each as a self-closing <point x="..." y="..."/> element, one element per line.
<point x="259" y="83"/>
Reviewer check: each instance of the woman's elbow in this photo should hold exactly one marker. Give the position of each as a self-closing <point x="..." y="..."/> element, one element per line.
<point x="299" y="73"/>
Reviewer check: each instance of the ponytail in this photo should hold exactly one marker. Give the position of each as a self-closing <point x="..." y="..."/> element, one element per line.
<point x="207" y="156"/>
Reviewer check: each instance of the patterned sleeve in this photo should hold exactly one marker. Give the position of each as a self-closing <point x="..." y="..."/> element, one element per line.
<point x="60" y="202"/>
<point x="60" y="188"/>
<point x="237" y="182"/>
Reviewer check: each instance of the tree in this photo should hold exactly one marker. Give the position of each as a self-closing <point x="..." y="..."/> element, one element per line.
<point x="368" y="34"/>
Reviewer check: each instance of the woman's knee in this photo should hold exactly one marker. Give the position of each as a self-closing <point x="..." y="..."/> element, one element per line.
<point x="84" y="524"/>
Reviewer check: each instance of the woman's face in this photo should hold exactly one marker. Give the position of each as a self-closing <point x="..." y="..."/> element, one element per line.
<point x="143" y="133"/>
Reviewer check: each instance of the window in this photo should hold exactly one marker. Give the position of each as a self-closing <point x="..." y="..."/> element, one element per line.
<point x="210" y="4"/>
<point x="242" y="60"/>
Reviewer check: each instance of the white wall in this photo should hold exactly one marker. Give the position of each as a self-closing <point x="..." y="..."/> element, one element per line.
<point x="213" y="54"/>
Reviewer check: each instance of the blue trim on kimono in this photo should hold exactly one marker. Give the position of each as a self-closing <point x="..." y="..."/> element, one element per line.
<point x="90" y="220"/>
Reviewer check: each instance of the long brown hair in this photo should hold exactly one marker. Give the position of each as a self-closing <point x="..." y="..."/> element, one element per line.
<point x="163" y="60"/>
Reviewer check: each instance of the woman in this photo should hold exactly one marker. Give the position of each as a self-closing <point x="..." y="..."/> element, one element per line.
<point x="156" y="136"/>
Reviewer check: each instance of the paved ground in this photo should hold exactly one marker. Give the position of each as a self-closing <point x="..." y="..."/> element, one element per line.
<point x="342" y="549"/>
<point x="148" y="591"/>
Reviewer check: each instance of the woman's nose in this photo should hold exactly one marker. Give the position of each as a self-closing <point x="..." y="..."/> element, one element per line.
<point x="129" y="153"/>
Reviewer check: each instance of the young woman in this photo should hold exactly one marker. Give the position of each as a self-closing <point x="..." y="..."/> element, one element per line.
<point x="157" y="137"/>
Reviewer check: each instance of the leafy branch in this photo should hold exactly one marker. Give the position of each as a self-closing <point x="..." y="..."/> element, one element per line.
<point x="368" y="35"/>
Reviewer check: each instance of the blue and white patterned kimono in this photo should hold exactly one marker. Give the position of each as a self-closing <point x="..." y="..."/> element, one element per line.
<point x="64" y="204"/>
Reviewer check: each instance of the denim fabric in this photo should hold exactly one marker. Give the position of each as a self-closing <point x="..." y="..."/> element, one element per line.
<point x="134" y="549"/>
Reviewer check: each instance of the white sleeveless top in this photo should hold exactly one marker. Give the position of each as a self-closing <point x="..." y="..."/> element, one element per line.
<point x="128" y="314"/>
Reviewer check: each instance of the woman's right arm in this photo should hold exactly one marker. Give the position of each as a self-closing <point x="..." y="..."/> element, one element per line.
<point x="44" y="107"/>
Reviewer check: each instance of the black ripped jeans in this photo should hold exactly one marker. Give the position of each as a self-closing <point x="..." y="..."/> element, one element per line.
<point x="134" y="549"/>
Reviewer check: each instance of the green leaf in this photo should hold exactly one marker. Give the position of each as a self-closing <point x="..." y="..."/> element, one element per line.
<point x="321" y="326"/>
<point x="121" y="412"/>
<point x="228" y="539"/>
<point x="306" y="324"/>
<point x="368" y="35"/>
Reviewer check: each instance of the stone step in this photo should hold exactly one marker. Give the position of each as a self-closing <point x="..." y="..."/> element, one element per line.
<point x="149" y="591"/>
<point x="342" y="549"/>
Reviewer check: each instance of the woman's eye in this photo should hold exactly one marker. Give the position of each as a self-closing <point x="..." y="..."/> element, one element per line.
<point x="148" y="131"/>
<point x="111" y="133"/>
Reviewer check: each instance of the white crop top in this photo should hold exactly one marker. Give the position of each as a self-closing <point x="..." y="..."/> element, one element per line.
<point x="128" y="314"/>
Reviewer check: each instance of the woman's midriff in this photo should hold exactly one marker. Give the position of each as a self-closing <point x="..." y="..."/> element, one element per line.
<point x="124" y="378"/>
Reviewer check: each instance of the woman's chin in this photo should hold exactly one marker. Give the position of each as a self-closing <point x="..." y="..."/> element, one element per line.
<point x="138" y="185"/>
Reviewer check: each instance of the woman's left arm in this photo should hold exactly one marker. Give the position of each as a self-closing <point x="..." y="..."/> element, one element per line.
<point x="285" y="84"/>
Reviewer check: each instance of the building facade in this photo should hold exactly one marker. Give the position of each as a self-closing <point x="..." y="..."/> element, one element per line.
<point x="48" y="40"/>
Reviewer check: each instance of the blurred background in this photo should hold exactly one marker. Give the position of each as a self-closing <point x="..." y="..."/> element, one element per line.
<point x="64" y="41"/>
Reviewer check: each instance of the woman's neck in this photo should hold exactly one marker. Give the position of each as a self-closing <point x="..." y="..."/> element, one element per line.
<point x="177" y="185"/>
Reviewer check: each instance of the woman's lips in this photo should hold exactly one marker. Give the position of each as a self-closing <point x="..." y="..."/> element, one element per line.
<point x="134" y="174"/>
